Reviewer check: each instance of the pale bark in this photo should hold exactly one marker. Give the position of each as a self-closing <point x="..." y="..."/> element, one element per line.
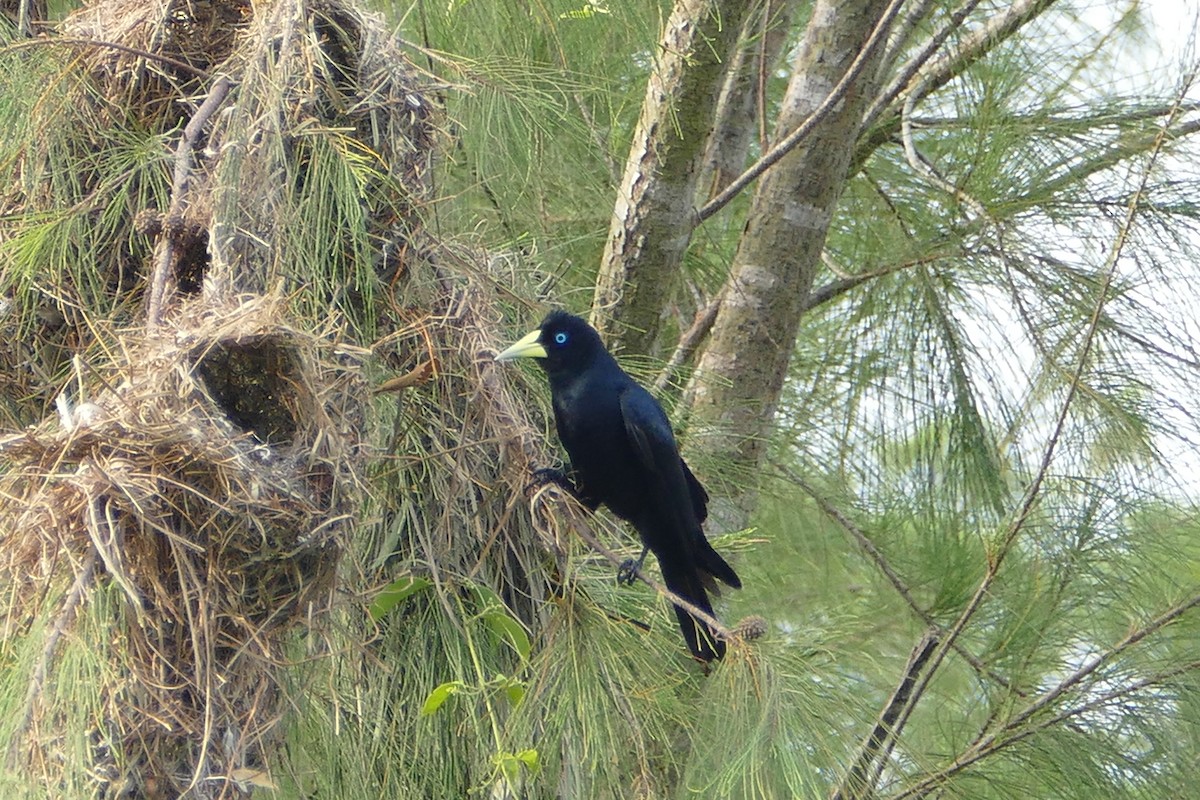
<point x="739" y="107"/>
<point x="654" y="215"/>
<point x="741" y="374"/>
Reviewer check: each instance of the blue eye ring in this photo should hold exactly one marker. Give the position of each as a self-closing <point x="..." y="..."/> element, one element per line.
<point x="560" y="337"/>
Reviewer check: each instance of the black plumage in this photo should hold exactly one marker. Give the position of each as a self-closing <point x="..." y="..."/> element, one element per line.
<point x="623" y="454"/>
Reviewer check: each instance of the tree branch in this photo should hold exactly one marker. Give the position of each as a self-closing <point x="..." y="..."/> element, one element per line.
<point x="1110" y="157"/>
<point x="862" y="777"/>
<point x="801" y="132"/>
<point x="166" y="256"/>
<point x="98" y="43"/>
<point x="844" y="283"/>
<point x="939" y="72"/>
<point x="653" y="217"/>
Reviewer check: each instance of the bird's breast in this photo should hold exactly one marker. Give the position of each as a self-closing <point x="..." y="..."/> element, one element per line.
<point x="602" y="457"/>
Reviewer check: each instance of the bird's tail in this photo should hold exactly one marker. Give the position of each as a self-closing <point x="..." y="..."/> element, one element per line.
<point x="685" y="581"/>
<point x="712" y="562"/>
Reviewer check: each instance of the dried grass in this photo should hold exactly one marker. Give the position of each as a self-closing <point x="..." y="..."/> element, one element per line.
<point x="220" y="542"/>
<point x="210" y="469"/>
<point x="166" y="47"/>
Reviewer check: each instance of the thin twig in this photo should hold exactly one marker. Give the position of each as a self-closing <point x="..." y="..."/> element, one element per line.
<point x="924" y="167"/>
<point x="1011" y="732"/>
<point x="79" y="41"/>
<point x="860" y="538"/>
<point x="882" y="738"/>
<point x="166" y="256"/>
<point x="688" y="343"/>
<point x="1090" y="668"/>
<point x="932" y="73"/>
<point x="792" y="140"/>
<point x="900" y="37"/>
<point x="66" y="616"/>
<point x="880" y="561"/>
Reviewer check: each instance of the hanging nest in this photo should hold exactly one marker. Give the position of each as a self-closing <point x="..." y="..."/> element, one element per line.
<point x="218" y="541"/>
<point x="166" y="49"/>
<point x="183" y="508"/>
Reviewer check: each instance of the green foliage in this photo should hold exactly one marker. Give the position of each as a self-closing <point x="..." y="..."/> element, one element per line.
<point x="977" y="440"/>
<point x="81" y="665"/>
<point x="542" y="108"/>
<point x="71" y="257"/>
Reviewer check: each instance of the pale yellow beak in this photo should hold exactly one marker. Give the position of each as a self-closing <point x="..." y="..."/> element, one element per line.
<point x="527" y="347"/>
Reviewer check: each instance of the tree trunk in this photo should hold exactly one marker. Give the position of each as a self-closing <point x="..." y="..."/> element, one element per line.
<point x="738" y="107"/>
<point x="654" y="215"/>
<point x="741" y="373"/>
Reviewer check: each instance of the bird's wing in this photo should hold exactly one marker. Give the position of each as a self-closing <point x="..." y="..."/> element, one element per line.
<point x="682" y="500"/>
<point x="699" y="496"/>
<point x="648" y="429"/>
<point x="650" y="435"/>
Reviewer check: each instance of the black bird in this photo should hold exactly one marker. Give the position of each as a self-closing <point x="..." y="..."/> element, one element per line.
<point x="623" y="454"/>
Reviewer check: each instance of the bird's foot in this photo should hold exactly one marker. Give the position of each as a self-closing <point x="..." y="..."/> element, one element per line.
<point x="627" y="573"/>
<point x="546" y="475"/>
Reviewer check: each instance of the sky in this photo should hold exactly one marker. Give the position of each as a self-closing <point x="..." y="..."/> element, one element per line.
<point x="1168" y="49"/>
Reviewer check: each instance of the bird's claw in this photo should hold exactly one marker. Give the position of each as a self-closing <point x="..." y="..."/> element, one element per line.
<point x="546" y="475"/>
<point x="627" y="573"/>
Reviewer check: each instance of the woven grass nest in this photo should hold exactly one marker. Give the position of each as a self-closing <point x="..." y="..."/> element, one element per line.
<point x="185" y="506"/>
<point x="217" y="541"/>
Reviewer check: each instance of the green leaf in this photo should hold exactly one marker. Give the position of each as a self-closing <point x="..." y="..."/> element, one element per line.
<point x="440" y="695"/>
<point x="515" y="692"/>
<point x="496" y="616"/>
<point x="513" y="688"/>
<point x="396" y="592"/>
<point x="510" y="630"/>
<point x="529" y="757"/>
<point x="588" y="11"/>
<point x="510" y="764"/>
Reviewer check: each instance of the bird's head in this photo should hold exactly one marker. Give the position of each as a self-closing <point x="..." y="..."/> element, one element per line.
<point x="563" y="343"/>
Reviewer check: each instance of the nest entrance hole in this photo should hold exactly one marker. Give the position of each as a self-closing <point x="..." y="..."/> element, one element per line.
<point x="192" y="263"/>
<point x="257" y="385"/>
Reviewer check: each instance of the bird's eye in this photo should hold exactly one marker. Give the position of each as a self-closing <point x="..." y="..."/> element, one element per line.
<point x="560" y="338"/>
